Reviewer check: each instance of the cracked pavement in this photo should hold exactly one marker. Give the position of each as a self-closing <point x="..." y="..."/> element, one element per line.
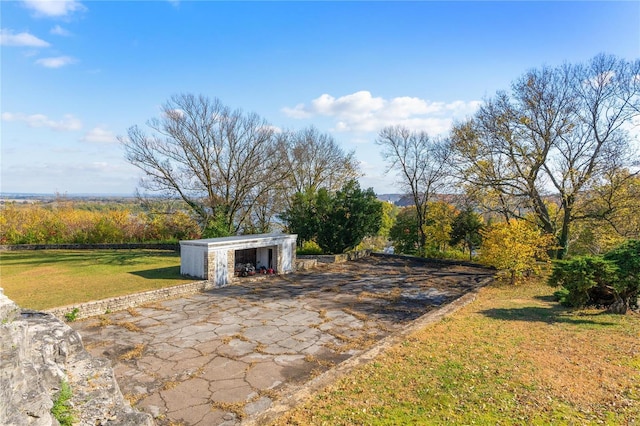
<point x="224" y="356"/>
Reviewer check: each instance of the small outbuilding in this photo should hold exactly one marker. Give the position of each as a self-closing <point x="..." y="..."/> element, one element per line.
<point x="218" y="259"/>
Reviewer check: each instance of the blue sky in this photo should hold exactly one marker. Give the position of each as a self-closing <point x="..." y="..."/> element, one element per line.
<point x="75" y="75"/>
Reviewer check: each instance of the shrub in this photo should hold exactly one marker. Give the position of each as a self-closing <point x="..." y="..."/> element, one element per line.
<point x="585" y="279"/>
<point x="73" y="315"/>
<point x="309" y="247"/>
<point x="627" y="258"/>
<point x="612" y="280"/>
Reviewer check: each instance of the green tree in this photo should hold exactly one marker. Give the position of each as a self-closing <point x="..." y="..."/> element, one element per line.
<point x="379" y="241"/>
<point x="301" y="217"/>
<point x="466" y="230"/>
<point x="389" y="213"/>
<point x="347" y="217"/>
<point x="404" y="233"/>
<point x="336" y="221"/>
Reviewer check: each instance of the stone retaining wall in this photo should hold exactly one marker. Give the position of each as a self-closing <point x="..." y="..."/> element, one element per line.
<point x="37" y="353"/>
<point x="126" y="246"/>
<point x="120" y="303"/>
<point x="336" y="258"/>
<point x="434" y="261"/>
<point x="304" y="264"/>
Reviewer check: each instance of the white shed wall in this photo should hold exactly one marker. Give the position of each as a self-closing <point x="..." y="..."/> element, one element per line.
<point x="221" y="277"/>
<point x="192" y="261"/>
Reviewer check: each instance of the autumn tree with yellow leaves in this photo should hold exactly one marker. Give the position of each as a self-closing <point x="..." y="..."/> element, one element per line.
<point x="516" y="247"/>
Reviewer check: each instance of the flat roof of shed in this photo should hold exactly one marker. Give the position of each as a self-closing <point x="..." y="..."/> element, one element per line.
<point x="239" y="239"/>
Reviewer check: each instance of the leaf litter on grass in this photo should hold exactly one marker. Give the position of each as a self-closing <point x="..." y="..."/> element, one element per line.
<point x="512" y="357"/>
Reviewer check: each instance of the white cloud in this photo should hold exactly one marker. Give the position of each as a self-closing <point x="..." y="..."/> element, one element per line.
<point x="362" y="112"/>
<point x="8" y="38"/>
<point x="68" y="122"/>
<point x="56" y="61"/>
<point x="58" y="30"/>
<point x="54" y="8"/>
<point x="100" y="134"/>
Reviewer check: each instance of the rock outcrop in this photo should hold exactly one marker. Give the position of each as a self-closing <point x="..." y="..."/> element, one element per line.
<point x="37" y="353"/>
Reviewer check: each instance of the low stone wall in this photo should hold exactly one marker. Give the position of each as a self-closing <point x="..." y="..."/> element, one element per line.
<point x="120" y="303"/>
<point x="304" y="264"/>
<point x="433" y="261"/>
<point x="127" y="246"/>
<point x="336" y="258"/>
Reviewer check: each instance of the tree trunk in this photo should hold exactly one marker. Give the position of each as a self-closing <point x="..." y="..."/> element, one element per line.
<point x="563" y="239"/>
<point x="620" y="306"/>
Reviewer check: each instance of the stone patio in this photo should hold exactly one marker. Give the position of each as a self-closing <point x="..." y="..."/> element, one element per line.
<point x="224" y="357"/>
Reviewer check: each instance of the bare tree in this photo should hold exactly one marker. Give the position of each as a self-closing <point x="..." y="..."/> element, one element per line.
<point x="557" y="133"/>
<point x="218" y="160"/>
<point x="314" y="160"/>
<point x="421" y="164"/>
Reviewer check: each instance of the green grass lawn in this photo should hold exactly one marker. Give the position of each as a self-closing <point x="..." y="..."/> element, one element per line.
<point x="512" y="357"/>
<point x="52" y="278"/>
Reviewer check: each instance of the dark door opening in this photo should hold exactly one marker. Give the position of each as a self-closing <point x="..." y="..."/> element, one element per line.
<point x="245" y="262"/>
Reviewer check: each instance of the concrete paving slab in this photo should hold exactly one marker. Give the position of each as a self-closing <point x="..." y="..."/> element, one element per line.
<point x="229" y="355"/>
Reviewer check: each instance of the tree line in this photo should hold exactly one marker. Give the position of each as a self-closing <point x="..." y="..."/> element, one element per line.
<point x="66" y="222"/>
<point x="554" y="150"/>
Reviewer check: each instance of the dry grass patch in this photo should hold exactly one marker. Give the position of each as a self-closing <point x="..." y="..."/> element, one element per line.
<point x="95" y="344"/>
<point x="134" y="353"/>
<point x="272" y="394"/>
<point x="321" y="362"/>
<point x="236" y="408"/>
<point x="514" y="356"/>
<point x="155" y="305"/>
<point x="134" y="399"/>
<point x="129" y="326"/>
<point x="168" y="385"/>
<point x="358" y="315"/>
<point x="102" y="321"/>
<point x="392" y="296"/>
<point x="227" y="339"/>
<point x="350" y="343"/>
<point x="133" y="312"/>
<point x="196" y="373"/>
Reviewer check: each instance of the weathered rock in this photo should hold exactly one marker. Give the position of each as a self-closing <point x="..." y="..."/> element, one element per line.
<point x="37" y="353"/>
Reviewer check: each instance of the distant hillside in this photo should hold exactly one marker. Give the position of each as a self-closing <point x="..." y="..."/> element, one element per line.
<point x="389" y="197"/>
<point x="405" y="200"/>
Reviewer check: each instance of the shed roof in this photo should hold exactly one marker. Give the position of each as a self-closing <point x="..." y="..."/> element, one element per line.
<point x="240" y="239"/>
